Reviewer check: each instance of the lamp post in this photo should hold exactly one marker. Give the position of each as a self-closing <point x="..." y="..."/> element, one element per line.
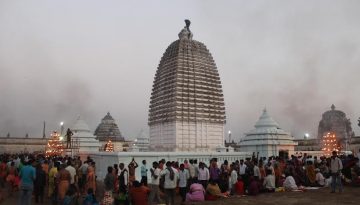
<point x="61" y="128"/>
<point x="229" y="134"/>
<point x="306" y="136"/>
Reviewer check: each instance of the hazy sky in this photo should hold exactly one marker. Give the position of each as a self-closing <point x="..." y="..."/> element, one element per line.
<point x="61" y="59"/>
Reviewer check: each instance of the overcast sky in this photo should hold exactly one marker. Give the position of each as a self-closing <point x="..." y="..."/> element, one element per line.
<point x="61" y="59"/>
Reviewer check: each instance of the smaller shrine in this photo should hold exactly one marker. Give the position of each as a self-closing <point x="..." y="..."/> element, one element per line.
<point x="83" y="138"/>
<point x="267" y="139"/>
<point x="109" y="130"/>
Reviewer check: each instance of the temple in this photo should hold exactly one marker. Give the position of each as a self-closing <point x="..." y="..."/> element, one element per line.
<point x="267" y="139"/>
<point x="109" y="130"/>
<point x="335" y="121"/>
<point x="187" y="110"/>
<point x="83" y="138"/>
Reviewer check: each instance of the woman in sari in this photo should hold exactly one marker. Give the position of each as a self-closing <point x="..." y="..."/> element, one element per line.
<point x="310" y="174"/>
<point x="90" y="178"/>
<point x="52" y="176"/>
<point x="11" y="178"/>
<point x="63" y="178"/>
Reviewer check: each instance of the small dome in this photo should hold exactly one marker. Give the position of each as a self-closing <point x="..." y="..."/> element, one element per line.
<point x="80" y="125"/>
<point x="266" y="121"/>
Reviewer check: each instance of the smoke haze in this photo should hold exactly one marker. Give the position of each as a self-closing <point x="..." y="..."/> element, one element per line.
<point x="62" y="59"/>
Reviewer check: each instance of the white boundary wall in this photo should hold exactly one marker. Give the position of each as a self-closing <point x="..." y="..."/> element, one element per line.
<point x="105" y="159"/>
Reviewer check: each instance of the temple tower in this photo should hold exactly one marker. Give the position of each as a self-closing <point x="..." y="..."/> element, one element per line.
<point x="187" y="111"/>
<point x="336" y="121"/>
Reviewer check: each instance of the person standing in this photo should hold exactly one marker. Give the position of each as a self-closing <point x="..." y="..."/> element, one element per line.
<point x="109" y="182"/>
<point x="72" y="172"/>
<point x="39" y="184"/>
<point x="144" y="170"/>
<point x="335" y="168"/>
<point x="91" y="178"/>
<point x="123" y="177"/>
<point x="183" y="179"/>
<point x="28" y="176"/>
<point x="52" y="179"/>
<point x="203" y="175"/>
<point x="132" y="167"/>
<point x="171" y="177"/>
<point x="63" y="178"/>
<point x="155" y="182"/>
<point x="233" y="178"/>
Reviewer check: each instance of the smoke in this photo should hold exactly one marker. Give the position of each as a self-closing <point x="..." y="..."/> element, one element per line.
<point x="59" y="60"/>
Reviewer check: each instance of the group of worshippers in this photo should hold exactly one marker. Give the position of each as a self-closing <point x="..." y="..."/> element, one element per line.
<point x="196" y="182"/>
<point x="65" y="179"/>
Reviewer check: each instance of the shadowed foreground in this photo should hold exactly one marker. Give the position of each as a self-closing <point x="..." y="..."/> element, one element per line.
<point x="351" y="195"/>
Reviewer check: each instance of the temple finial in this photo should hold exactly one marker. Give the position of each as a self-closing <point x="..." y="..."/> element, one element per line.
<point x="187" y="23"/>
<point x="185" y="33"/>
<point x="332" y="107"/>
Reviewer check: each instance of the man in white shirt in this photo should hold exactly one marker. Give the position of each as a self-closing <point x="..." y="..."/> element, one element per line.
<point x="269" y="181"/>
<point x="335" y="168"/>
<point x="256" y="169"/>
<point x="242" y="168"/>
<point x="233" y="178"/>
<point x="183" y="178"/>
<point x="154" y="184"/>
<point x="192" y="169"/>
<point x="289" y="183"/>
<point x="203" y="175"/>
<point x="320" y="180"/>
<point x="72" y="172"/>
<point x="171" y="177"/>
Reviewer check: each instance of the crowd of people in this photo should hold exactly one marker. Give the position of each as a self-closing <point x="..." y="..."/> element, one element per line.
<point x="64" y="180"/>
<point x="69" y="181"/>
<point x="196" y="182"/>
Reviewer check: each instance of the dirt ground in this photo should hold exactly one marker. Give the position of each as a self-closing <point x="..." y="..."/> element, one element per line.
<point x="351" y="195"/>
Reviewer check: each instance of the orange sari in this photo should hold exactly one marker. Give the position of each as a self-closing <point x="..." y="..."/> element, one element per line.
<point x="90" y="179"/>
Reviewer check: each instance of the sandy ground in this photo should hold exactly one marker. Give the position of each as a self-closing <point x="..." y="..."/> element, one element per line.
<point x="351" y="195"/>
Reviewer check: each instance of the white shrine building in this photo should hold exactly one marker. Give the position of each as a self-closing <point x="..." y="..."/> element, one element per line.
<point x="267" y="139"/>
<point x="83" y="135"/>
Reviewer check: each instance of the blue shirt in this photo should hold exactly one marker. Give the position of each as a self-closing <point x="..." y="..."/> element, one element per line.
<point x="28" y="175"/>
<point x="143" y="171"/>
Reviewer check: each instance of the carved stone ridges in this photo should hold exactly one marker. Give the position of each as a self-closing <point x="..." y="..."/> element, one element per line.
<point x="335" y="121"/>
<point x="108" y="130"/>
<point x="187" y="86"/>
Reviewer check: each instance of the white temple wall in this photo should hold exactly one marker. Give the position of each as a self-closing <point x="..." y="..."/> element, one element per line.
<point x="186" y="136"/>
<point x="267" y="150"/>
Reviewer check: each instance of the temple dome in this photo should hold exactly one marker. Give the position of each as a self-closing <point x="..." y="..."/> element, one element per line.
<point x="80" y="125"/>
<point x="266" y="121"/>
<point x="267" y="138"/>
<point x="108" y="130"/>
<point x="82" y="134"/>
<point x="336" y="121"/>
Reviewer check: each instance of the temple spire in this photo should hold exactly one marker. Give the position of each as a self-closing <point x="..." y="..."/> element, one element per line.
<point x="332" y="107"/>
<point x="185" y="33"/>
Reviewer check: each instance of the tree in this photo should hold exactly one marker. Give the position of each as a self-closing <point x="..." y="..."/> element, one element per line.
<point x="54" y="146"/>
